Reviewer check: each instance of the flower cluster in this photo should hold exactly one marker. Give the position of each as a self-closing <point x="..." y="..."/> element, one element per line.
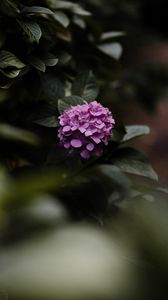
<point x="86" y="127"/>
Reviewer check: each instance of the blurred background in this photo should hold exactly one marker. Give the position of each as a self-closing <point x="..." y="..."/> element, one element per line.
<point x="101" y="234"/>
<point x="145" y="75"/>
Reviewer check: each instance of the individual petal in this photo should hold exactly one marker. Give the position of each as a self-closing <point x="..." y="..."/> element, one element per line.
<point x="88" y="132"/>
<point x="90" y="147"/>
<point x="85" y="125"/>
<point x="66" y="128"/>
<point x="85" y="154"/>
<point x="100" y="126"/>
<point x="96" y="139"/>
<point x="82" y="129"/>
<point x="67" y="145"/>
<point x="96" y="113"/>
<point x="73" y="128"/>
<point x="76" y="143"/>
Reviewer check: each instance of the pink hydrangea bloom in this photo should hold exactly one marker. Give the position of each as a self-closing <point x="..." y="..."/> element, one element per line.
<point x="86" y="127"/>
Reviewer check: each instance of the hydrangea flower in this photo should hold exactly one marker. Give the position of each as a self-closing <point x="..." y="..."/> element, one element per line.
<point x="86" y="127"/>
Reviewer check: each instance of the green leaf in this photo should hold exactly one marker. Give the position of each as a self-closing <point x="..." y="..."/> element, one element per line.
<point x="64" y="58"/>
<point x="41" y="63"/>
<point x="78" y="10"/>
<point x="5" y="82"/>
<point x="31" y="29"/>
<point x="114" y="173"/>
<point x="74" y="100"/>
<point x="85" y="86"/>
<point x="61" y="18"/>
<point x="37" y="63"/>
<point x="113" y="50"/>
<point x="64" y="34"/>
<point x="118" y="182"/>
<point x="21" y="192"/>
<point x="8" y="59"/>
<point x="9" y="8"/>
<point x="118" y="132"/>
<point x="69" y="6"/>
<point x="132" y="161"/>
<point x="45" y="114"/>
<point x="69" y="101"/>
<point x="133" y="131"/>
<point x="50" y="60"/>
<point x="50" y="121"/>
<point x="62" y="106"/>
<point x="12" y="133"/>
<point x="10" y="73"/>
<point x="79" y="21"/>
<point x="111" y="35"/>
<point x="163" y="190"/>
<point x="52" y="88"/>
<point x="60" y="4"/>
<point x="10" y="65"/>
<point x="36" y="10"/>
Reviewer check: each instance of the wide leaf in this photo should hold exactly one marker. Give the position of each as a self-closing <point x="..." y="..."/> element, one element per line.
<point x="61" y="18"/>
<point x="37" y="63"/>
<point x="8" y="59"/>
<point x="31" y="29"/>
<point x="113" y="50"/>
<point x="51" y="88"/>
<point x="85" y="86"/>
<point x="69" y="101"/>
<point x="36" y="10"/>
<point x="132" y="161"/>
<point x="50" y="121"/>
<point x="133" y="131"/>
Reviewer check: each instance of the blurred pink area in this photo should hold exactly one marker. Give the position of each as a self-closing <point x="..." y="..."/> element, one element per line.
<point x="156" y="144"/>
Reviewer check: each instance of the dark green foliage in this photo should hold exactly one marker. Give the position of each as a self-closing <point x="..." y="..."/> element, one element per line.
<point x="46" y="56"/>
<point x="85" y="86"/>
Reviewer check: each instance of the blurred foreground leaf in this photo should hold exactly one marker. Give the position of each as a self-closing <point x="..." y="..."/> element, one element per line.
<point x="75" y="263"/>
<point x="19" y="191"/>
<point x="11" y="133"/>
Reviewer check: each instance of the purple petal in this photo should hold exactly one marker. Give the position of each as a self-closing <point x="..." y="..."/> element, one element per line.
<point x="86" y="125"/>
<point x="76" y="143"/>
<point x="73" y="128"/>
<point x="100" y="126"/>
<point x="96" y="139"/>
<point x="82" y="129"/>
<point x="67" y="145"/>
<point x="66" y="128"/>
<point x="85" y="154"/>
<point x="90" y="147"/>
<point x="96" y="113"/>
<point x="88" y="132"/>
